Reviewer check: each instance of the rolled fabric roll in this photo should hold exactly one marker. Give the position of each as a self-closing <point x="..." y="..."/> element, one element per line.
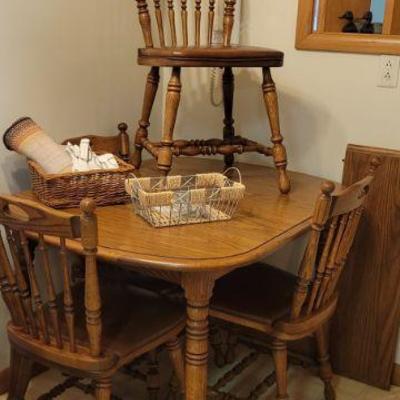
<point x="26" y="137"/>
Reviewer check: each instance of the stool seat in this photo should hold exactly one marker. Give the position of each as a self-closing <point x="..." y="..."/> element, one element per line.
<point x="214" y="56"/>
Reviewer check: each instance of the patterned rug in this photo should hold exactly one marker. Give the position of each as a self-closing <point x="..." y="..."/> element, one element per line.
<point x="249" y="377"/>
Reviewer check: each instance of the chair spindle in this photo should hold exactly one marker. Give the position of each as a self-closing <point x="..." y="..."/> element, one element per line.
<point x="197" y="19"/>
<point x="145" y="22"/>
<point x="229" y="19"/>
<point x="171" y="17"/>
<point x="160" y="23"/>
<point x="184" y="16"/>
<point x="331" y="261"/>
<point x="29" y="323"/>
<point x="306" y="270"/>
<point x="37" y="300"/>
<point x="92" y="291"/>
<point x="322" y="265"/>
<point x="69" y="311"/>
<point x="211" y="18"/>
<point x="7" y="282"/>
<point x="347" y="242"/>
<point x="51" y="293"/>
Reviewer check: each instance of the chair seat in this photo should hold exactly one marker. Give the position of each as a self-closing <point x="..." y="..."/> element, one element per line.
<point x="255" y="296"/>
<point x="215" y="56"/>
<point x="134" y="322"/>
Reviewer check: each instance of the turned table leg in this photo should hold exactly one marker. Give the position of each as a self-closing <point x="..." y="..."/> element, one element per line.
<point x="228" y="91"/>
<point x="171" y="110"/>
<point x="278" y="150"/>
<point x="198" y="290"/>
<point x="142" y="133"/>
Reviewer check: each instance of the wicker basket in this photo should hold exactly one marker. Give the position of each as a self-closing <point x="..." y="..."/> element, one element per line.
<point x="182" y="200"/>
<point x="67" y="190"/>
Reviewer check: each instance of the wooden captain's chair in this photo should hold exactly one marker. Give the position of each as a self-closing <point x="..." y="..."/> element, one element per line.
<point x="288" y="307"/>
<point x="91" y="328"/>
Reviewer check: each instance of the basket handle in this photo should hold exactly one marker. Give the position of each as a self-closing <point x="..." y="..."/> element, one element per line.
<point x="136" y="179"/>
<point x="237" y="170"/>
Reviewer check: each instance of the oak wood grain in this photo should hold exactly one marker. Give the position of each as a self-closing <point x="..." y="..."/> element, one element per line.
<point x="265" y="221"/>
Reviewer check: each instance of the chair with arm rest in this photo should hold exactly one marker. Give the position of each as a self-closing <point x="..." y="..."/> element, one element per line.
<point x="286" y="307"/>
<point x="90" y="329"/>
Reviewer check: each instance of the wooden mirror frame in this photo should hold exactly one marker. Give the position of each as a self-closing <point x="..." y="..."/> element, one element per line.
<point x="386" y="43"/>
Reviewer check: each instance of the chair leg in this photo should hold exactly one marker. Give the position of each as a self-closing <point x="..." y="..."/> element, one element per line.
<point x="232" y="342"/>
<point x="279" y="352"/>
<point x="103" y="389"/>
<point x="176" y="356"/>
<point x="153" y="376"/>
<point x="322" y="337"/>
<point x="229" y="130"/>
<point x="21" y="372"/>
<point x="171" y="110"/>
<point x="216" y="344"/>
<point x="142" y="133"/>
<point x="278" y="150"/>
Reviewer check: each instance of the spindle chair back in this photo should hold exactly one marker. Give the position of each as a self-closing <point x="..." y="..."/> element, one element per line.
<point x="164" y="14"/>
<point x="334" y="226"/>
<point x="33" y="307"/>
<point x="70" y="328"/>
<point x="117" y="145"/>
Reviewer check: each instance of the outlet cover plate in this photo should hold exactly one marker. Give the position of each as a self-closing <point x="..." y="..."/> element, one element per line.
<point x="388" y="76"/>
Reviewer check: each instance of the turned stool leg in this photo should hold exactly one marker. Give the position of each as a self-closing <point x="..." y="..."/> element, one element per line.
<point x="325" y="366"/>
<point x="229" y="130"/>
<point x="171" y="110"/>
<point x="279" y="352"/>
<point x="153" y="80"/>
<point x="278" y="150"/>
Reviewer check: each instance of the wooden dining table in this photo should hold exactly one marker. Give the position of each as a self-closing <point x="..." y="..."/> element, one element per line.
<point x="195" y="256"/>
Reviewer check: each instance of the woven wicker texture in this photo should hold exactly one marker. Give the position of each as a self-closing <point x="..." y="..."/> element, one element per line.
<point x="67" y="190"/>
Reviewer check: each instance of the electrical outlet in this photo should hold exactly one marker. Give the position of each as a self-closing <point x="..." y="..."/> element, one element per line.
<point x="388" y="71"/>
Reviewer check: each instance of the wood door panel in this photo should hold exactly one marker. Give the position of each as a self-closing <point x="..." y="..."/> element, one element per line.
<point x="366" y="325"/>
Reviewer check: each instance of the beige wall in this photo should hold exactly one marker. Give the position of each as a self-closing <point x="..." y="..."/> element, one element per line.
<point x="327" y="100"/>
<point x="71" y="66"/>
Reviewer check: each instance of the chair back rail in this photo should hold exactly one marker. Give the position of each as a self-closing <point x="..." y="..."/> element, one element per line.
<point x="165" y="10"/>
<point x="334" y="227"/>
<point x="34" y="308"/>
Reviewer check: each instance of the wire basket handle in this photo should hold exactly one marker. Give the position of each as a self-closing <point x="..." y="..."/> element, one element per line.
<point x="136" y="180"/>
<point x="237" y="170"/>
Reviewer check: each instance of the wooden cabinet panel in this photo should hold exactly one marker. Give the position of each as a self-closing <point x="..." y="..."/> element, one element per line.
<point x="366" y="326"/>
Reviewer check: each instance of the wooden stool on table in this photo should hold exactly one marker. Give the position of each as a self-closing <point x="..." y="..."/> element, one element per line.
<point x="224" y="56"/>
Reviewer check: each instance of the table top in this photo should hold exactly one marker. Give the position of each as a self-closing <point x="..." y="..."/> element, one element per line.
<point x="264" y="221"/>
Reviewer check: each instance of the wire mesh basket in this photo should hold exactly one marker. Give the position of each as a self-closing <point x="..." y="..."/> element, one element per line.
<point x="183" y="200"/>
